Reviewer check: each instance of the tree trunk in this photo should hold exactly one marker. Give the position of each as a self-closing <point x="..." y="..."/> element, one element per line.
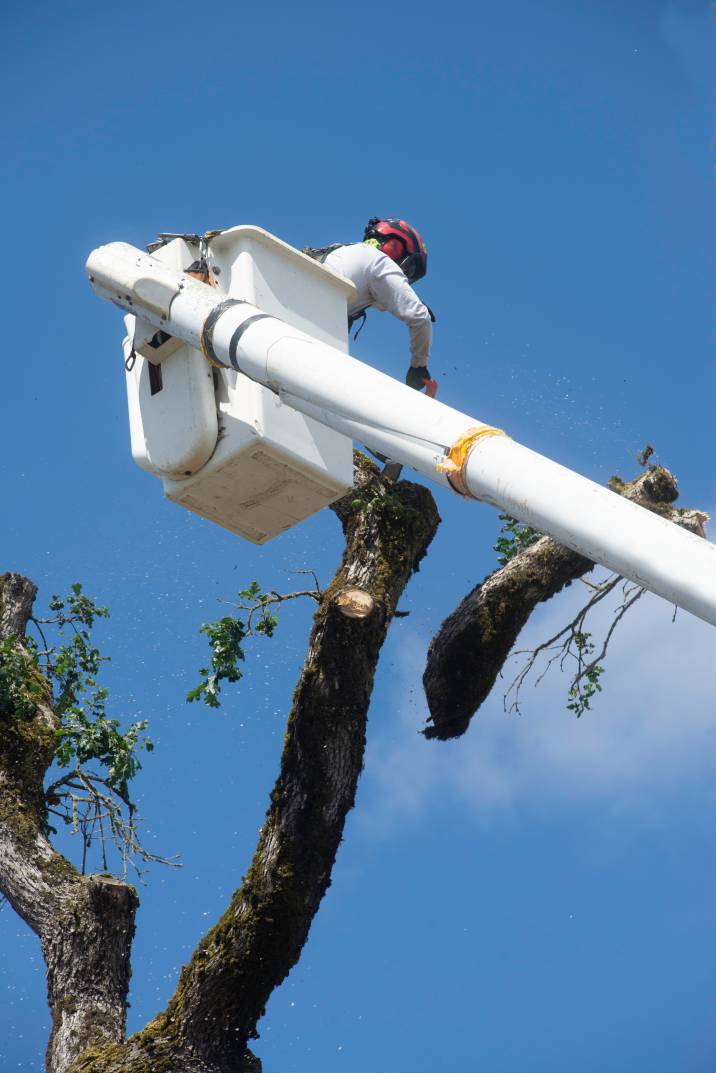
<point x="223" y="991"/>
<point x="468" y="652"/>
<point x="85" y="923"/>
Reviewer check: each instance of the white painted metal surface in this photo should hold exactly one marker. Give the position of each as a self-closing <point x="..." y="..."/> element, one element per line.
<point x="173" y="429"/>
<point x="344" y="394"/>
<point x="173" y="422"/>
<point x="272" y="467"/>
<point x="279" y="280"/>
<point x="225" y="446"/>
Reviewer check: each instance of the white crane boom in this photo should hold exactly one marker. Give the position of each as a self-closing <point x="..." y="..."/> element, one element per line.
<point x="446" y="446"/>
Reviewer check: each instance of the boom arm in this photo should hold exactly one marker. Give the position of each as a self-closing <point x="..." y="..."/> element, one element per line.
<point x="445" y="445"/>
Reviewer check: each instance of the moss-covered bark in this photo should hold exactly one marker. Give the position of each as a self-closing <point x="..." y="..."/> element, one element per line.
<point x="223" y="991"/>
<point x="468" y="652"/>
<point x="84" y="923"/>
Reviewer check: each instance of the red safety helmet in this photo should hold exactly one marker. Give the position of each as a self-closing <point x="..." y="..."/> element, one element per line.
<point x="402" y="243"/>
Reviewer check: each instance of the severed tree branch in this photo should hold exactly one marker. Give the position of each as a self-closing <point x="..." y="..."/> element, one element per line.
<point x="469" y="650"/>
<point x="85" y="923"/>
<point x="223" y="991"/>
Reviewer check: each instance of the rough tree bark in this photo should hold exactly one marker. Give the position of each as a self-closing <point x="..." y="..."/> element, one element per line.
<point x="467" y="653"/>
<point x="85" y="923"/>
<point x="222" y="992"/>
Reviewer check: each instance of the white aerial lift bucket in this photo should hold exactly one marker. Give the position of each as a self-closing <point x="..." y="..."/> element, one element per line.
<point x="225" y="446"/>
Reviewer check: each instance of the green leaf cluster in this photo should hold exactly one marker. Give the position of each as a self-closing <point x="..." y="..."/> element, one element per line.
<point x="86" y="733"/>
<point x="71" y="667"/>
<point x="20" y="689"/>
<point x="587" y="684"/>
<point x="514" y="537"/>
<point x="259" y="602"/>
<point x="226" y="637"/>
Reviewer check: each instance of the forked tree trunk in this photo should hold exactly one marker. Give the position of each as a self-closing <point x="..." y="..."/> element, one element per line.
<point x="86" y="924"/>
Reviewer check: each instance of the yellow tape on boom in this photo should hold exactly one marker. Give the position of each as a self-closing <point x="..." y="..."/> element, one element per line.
<point x="457" y="456"/>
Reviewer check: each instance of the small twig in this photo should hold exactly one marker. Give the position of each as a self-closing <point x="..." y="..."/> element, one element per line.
<point x="551" y="645"/>
<point x="36" y="622"/>
<point x="89" y="802"/>
<point x="310" y="573"/>
<point x="629" y="601"/>
<point x="100" y="820"/>
<point x="573" y="635"/>
<point x="270" y="598"/>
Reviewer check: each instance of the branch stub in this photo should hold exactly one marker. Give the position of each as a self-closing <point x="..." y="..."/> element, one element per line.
<point x="355" y="603"/>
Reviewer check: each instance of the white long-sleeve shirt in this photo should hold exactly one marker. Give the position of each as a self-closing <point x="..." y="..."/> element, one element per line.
<point x="381" y="284"/>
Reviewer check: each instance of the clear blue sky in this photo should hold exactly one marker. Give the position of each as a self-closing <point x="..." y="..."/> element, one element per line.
<point x="538" y="895"/>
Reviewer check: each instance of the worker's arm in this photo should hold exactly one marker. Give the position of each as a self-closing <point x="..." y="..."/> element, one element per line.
<point x="391" y="292"/>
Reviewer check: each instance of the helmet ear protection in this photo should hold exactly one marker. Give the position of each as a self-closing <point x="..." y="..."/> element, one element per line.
<point x="414" y="266"/>
<point x="393" y="248"/>
<point x="402" y="243"/>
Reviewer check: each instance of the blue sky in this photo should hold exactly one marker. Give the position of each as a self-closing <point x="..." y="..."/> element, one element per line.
<point x="539" y="894"/>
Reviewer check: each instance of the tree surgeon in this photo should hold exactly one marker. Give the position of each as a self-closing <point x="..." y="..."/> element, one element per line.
<point x="383" y="267"/>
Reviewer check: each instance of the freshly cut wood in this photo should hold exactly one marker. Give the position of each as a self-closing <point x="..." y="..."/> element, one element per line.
<point x="355" y="603"/>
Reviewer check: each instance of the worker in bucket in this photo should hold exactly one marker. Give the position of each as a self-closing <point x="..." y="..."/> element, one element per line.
<point x="391" y="257"/>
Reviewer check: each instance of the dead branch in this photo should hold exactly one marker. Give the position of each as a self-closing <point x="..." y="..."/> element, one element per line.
<point x="468" y="652"/>
<point x="89" y="804"/>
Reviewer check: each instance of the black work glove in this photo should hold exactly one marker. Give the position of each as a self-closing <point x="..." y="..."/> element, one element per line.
<point x="418" y="376"/>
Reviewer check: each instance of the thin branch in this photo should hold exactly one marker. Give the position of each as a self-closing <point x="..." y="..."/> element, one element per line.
<point x="629" y="601"/>
<point x="573" y="644"/>
<point x="567" y="631"/>
<point x="269" y="598"/>
<point x="36" y="623"/>
<point x="310" y="573"/>
<point x="87" y="801"/>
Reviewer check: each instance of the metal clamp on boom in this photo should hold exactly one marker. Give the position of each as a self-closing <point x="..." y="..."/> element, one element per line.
<point x="207" y="332"/>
